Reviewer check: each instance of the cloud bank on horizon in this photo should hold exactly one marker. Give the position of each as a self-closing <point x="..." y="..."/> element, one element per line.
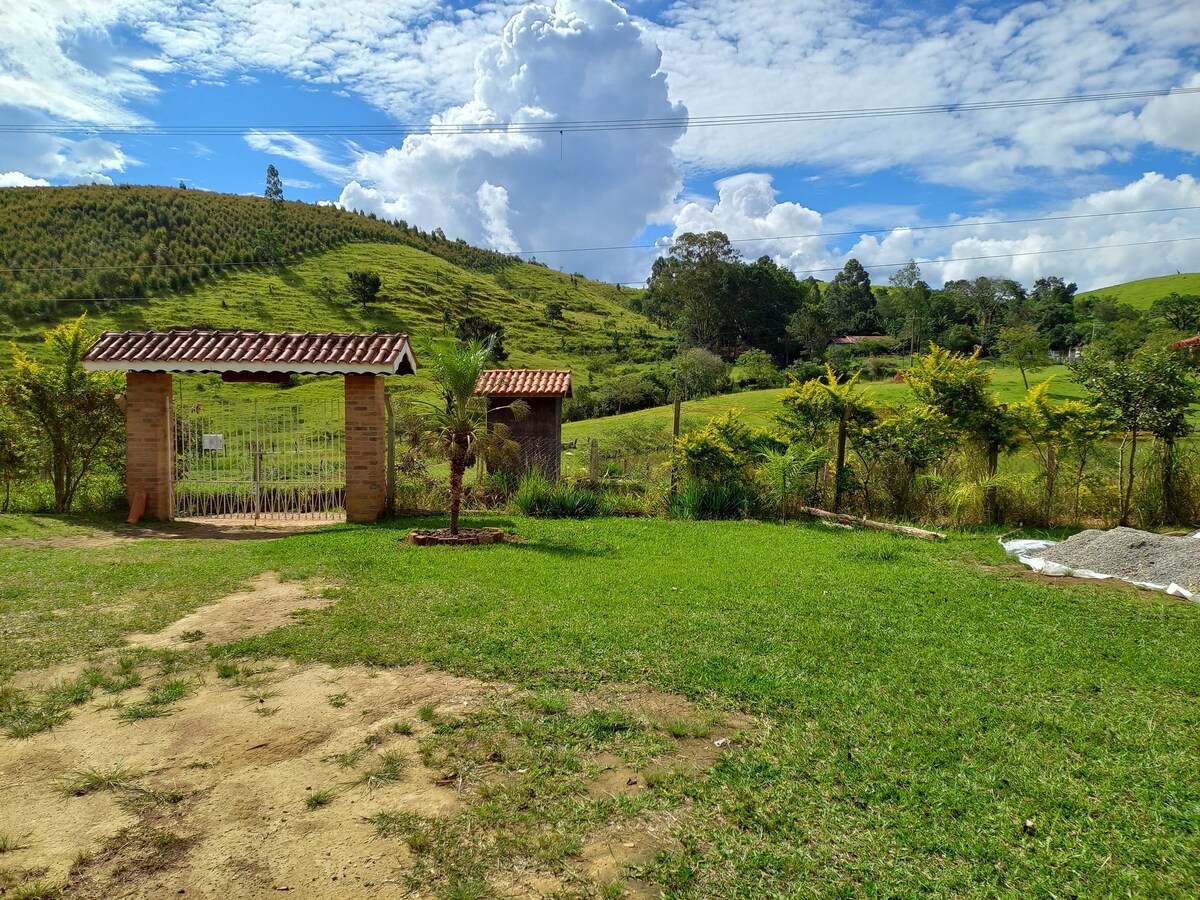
<point x="808" y="194"/>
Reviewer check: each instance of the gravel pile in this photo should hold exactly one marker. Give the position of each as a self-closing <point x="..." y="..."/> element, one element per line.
<point x="1133" y="555"/>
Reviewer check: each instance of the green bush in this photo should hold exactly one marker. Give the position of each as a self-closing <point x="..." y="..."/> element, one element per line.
<point x="538" y="498"/>
<point x="532" y="497"/>
<point x="573" y="502"/>
<point x="699" y="499"/>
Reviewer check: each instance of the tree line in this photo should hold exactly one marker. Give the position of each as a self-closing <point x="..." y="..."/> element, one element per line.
<point x="717" y="301"/>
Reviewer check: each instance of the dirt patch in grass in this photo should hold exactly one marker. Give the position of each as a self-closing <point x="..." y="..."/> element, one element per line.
<point x="194" y="529"/>
<point x="267" y="604"/>
<point x="244" y="780"/>
<point x="617" y="852"/>
<point x="211" y="798"/>
<point x="1015" y="572"/>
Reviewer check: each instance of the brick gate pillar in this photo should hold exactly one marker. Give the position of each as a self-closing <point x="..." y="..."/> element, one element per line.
<point x="149" y="459"/>
<point x="366" y="448"/>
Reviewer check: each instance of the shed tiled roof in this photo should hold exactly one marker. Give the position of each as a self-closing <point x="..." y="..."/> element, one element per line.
<point x="524" y="383"/>
<point x="189" y="350"/>
<point x="1188" y="342"/>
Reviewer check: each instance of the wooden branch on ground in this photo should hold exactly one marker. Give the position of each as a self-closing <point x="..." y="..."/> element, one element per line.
<point x="868" y="523"/>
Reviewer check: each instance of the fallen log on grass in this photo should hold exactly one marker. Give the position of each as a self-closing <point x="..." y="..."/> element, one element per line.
<point x="869" y="523"/>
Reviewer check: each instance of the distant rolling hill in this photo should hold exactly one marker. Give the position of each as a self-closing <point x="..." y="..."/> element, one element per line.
<point x="161" y="257"/>
<point x="1141" y="294"/>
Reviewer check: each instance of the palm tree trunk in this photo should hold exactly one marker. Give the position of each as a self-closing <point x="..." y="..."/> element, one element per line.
<point x="458" y="465"/>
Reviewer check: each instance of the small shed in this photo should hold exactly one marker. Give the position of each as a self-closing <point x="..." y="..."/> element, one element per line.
<point x="540" y="431"/>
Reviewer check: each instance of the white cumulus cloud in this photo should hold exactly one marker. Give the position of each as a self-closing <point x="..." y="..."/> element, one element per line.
<point x="747" y="211"/>
<point x="20" y="179"/>
<point x="1144" y="228"/>
<point x="579" y="60"/>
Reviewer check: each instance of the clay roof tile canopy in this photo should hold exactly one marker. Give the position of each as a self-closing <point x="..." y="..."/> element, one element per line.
<point x="524" y="383"/>
<point x="190" y="350"/>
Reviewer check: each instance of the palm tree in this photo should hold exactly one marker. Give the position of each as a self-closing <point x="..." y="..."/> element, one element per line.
<point x="460" y="427"/>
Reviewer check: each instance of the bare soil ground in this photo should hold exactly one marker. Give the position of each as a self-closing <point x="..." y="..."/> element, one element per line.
<point x="259" y="781"/>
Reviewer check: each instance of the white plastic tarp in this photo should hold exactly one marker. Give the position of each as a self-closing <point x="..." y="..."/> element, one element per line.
<point x="1028" y="552"/>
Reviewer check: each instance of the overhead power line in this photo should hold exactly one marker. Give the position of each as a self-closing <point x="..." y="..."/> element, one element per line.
<point x="587" y="125"/>
<point x="654" y="246"/>
<point x="889" y="265"/>
<point x="1014" y="255"/>
<point x="862" y="231"/>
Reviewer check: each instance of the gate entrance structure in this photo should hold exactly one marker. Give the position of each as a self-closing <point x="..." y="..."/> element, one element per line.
<point x="259" y="459"/>
<point x="150" y="358"/>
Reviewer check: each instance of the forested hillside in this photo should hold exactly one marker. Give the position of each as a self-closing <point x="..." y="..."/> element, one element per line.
<point x="133" y="241"/>
<point x="146" y="257"/>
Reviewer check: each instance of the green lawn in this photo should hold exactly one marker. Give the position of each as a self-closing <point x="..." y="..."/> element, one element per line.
<point x="929" y="726"/>
<point x="1144" y="292"/>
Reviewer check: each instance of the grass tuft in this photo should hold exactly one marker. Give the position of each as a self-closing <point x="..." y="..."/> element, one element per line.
<point x="34" y="890"/>
<point x="10" y="844"/>
<point x="317" y="799"/>
<point x="92" y="781"/>
<point x="388" y="770"/>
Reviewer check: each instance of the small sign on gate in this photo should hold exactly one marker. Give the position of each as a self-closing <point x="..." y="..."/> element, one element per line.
<point x="213" y="442"/>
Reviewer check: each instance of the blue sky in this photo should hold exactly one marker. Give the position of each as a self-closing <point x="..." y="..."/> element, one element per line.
<point x="1108" y="174"/>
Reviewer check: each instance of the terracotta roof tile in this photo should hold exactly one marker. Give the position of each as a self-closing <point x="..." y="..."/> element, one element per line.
<point x="1187" y="342"/>
<point x="189" y="350"/>
<point x="524" y="383"/>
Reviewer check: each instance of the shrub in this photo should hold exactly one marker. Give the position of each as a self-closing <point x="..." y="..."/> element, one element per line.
<point x="698" y="499"/>
<point x="532" y="497"/>
<point x="363" y="286"/>
<point x="538" y="498"/>
<point x="573" y="502"/>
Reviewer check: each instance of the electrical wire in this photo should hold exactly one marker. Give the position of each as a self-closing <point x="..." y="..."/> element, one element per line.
<point x="663" y="246"/>
<point x="895" y="265"/>
<point x="954" y="259"/>
<point x="590" y="125"/>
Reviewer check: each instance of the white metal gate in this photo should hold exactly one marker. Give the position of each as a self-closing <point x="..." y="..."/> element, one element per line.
<point x="260" y="459"/>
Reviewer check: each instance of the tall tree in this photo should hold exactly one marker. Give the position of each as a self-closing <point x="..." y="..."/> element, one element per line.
<point x="76" y="412"/>
<point x="1024" y="347"/>
<point x="1179" y="312"/>
<point x="1150" y="392"/>
<point x="912" y="300"/>
<point x="270" y="242"/>
<point x="274" y="190"/>
<point x="989" y="302"/>
<point x="1050" y="308"/>
<point x="808" y="325"/>
<point x="766" y="296"/>
<point x="691" y="289"/>
<point x="849" y="302"/>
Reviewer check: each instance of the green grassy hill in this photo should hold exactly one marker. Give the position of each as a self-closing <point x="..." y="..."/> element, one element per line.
<point x="759" y="407"/>
<point x="134" y="240"/>
<point x="1141" y="294"/>
<point x="428" y="283"/>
